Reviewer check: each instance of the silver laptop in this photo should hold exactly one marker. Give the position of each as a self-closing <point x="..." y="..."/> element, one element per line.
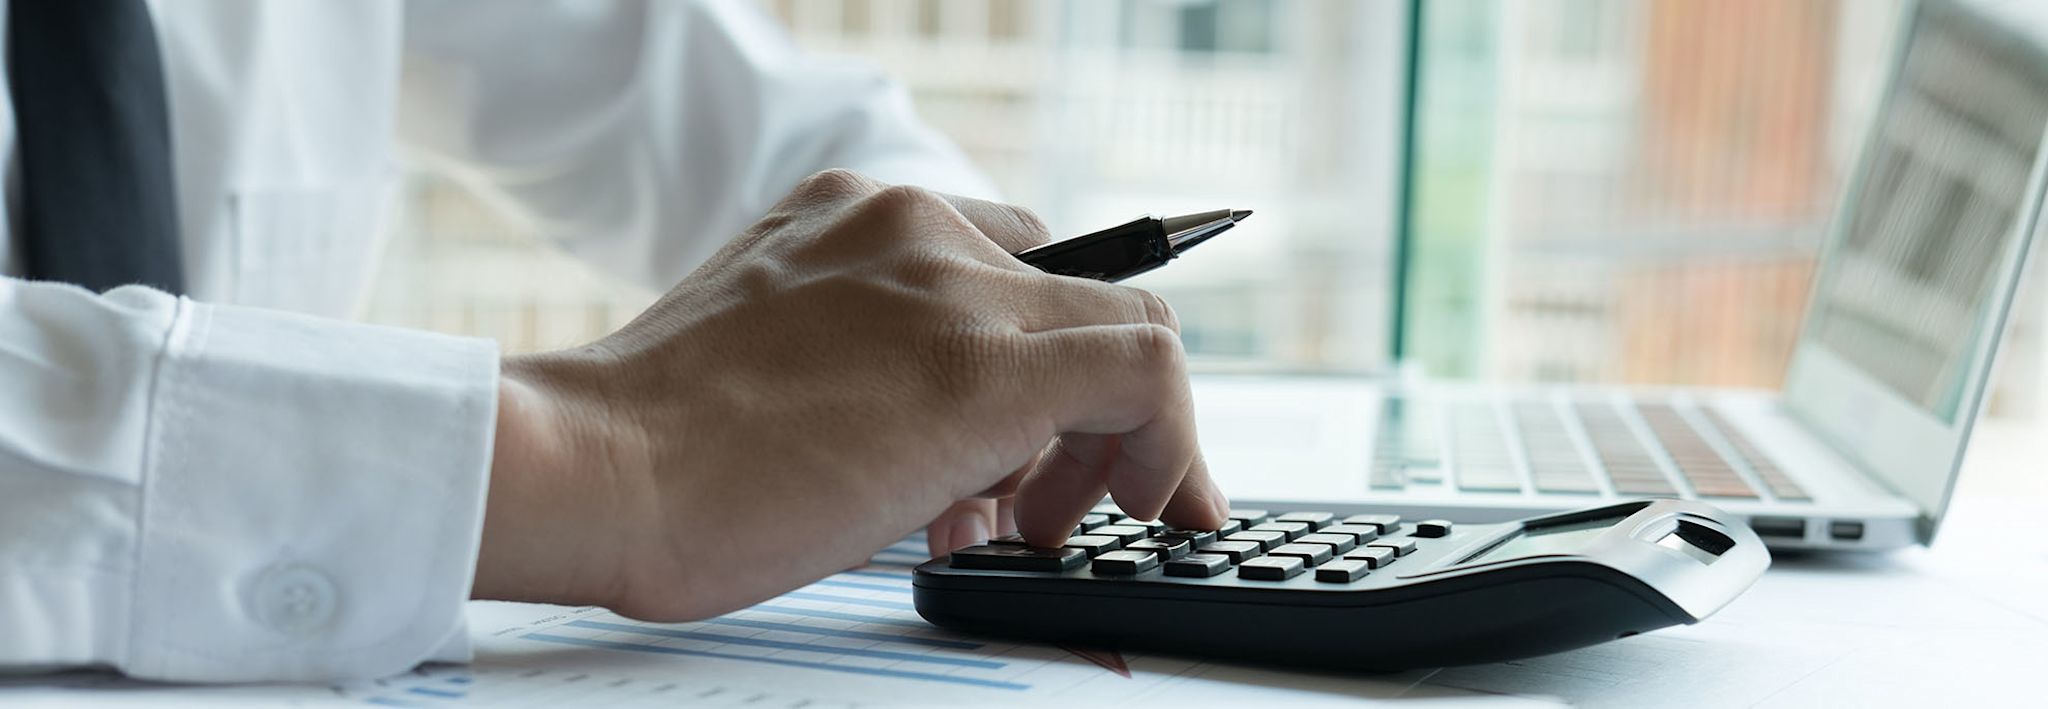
<point x="1858" y="451"/>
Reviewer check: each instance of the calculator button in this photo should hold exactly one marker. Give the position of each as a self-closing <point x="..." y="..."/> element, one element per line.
<point x="1312" y="553"/>
<point x="1123" y="532"/>
<point x="1230" y="526"/>
<point x="1010" y="540"/>
<point x="1248" y="517"/>
<point x="1359" y="533"/>
<point x="1152" y="527"/>
<point x="1401" y="547"/>
<point x="1265" y="540"/>
<point x="1293" y="530"/>
<point x="1166" y="549"/>
<point x="1237" y="552"/>
<point x="1374" y="557"/>
<point x="1315" y="520"/>
<point x="1093" y="520"/>
<point x="1198" y="566"/>
<point x="1198" y="537"/>
<point x="1108" y="509"/>
<point x="1338" y="543"/>
<point x="1008" y="558"/>
<point x="1125" y="562"/>
<point x="1271" y="568"/>
<point x="1386" y="523"/>
<point x="1432" y="528"/>
<point x="1093" y="543"/>
<point x="1342" y="571"/>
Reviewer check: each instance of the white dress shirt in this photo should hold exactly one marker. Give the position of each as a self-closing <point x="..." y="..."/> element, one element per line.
<point x="240" y="486"/>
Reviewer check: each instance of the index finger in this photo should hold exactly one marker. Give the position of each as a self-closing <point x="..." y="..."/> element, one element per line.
<point x="1012" y="227"/>
<point x="1120" y="399"/>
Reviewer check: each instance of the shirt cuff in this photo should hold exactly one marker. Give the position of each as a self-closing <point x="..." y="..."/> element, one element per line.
<point x="312" y="500"/>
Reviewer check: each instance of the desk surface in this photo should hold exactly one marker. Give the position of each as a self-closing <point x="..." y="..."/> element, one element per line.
<point x="1963" y="621"/>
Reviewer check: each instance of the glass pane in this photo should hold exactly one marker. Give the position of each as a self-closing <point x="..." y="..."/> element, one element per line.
<point x="1091" y="112"/>
<point x="1633" y="192"/>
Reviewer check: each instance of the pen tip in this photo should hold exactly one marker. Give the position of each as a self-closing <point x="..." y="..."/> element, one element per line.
<point x="1238" y="215"/>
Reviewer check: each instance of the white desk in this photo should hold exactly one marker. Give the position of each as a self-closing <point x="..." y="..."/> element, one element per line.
<point x="1965" y="621"/>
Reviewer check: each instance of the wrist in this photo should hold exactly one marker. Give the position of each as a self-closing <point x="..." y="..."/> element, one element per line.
<point x="539" y="540"/>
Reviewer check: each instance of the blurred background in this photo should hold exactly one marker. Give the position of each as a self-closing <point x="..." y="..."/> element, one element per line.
<point x="1595" y="190"/>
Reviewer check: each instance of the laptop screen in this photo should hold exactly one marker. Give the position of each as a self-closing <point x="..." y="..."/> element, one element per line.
<point x="1912" y="279"/>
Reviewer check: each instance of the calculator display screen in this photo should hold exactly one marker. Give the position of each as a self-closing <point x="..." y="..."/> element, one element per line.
<point x="1564" y="538"/>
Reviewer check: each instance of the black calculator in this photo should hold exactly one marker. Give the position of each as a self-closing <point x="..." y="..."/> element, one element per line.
<point x="1362" y="592"/>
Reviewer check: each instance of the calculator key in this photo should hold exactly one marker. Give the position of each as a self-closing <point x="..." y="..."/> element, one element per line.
<point x="1108" y="509"/>
<point x="1432" y="528"/>
<point x="1093" y="544"/>
<point x="1315" y="520"/>
<point x="1271" y="568"/>
<point x="1010" y="540"/>
<point x="1401" y="547"/>
<point x="1167" y="549"/>
<point x="1230" y="526"/>
<point x="1125" y="562"/>
<point x="1374" y="557"/>
<point x="1123" y="532"/>
<point x="1237" y="552"/>
<point x="1198" y="537"/>
<point x="1342" y="571"/>
<point x="1093" y="520"/>
<point x="1338" y="543"/>
<point x="1008" y="558"/>
<point x="1360" y="533"/>
<point x="1293" y="530"/>
<point x="1265" y="540"/>
<point x="1312" y="553"/>
<point x="1199" y="566"/>
<point x="1386" y="523"/>
<point x="1153" y="527"/>
<point x="1248" y="517"/>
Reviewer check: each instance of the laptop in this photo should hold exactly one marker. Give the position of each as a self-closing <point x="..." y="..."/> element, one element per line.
<point x="1858" y="450"/>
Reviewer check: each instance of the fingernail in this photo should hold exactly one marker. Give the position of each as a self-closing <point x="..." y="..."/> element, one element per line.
<point x="968" y="529"/>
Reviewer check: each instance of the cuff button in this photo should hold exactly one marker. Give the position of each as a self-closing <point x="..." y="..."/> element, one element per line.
<point x="294" y="599"/>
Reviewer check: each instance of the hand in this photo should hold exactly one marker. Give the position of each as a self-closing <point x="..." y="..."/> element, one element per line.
<point x="853" y="365"/>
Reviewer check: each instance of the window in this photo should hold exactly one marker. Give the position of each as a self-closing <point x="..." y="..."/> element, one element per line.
<point x="1601" y="190"/>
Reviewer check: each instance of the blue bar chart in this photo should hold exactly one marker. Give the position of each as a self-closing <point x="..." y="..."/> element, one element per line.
<point x="854" y="634"/>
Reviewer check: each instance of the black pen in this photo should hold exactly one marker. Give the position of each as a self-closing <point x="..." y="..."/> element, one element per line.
<point x="1120" y="252"/>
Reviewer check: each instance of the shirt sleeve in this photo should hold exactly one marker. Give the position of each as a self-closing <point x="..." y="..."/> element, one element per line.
<point x="642" y="135"/>
<point x="198" y="492"/>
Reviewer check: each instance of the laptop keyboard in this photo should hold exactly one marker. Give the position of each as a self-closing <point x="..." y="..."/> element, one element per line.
<point x="1575" y="446"/>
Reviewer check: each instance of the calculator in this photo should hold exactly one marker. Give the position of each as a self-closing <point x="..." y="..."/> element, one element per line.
<point x="1366" y="592"/>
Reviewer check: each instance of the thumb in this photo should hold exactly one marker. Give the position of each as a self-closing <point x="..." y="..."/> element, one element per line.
<point x="965" y="524"/>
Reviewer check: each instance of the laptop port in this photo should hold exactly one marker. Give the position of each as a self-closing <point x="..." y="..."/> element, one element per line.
<point x="1845" y="531"/>
<point x="1779" y="527"/>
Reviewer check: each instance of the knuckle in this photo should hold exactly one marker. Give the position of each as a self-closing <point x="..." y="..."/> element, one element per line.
<point x="931" y="269"/>
<point x="909" y="199"/>
<point x="1159" y="348"/>
<point x="1156" y="310"/>
<point x="1029" y="224"/>
<point x="836" y="182"/>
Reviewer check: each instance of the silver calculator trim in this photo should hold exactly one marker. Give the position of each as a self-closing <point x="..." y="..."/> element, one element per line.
<point x="1630" y="547"/>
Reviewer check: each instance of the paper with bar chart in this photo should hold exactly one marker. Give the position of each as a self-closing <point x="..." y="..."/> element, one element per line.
<point x="851" y="639"/>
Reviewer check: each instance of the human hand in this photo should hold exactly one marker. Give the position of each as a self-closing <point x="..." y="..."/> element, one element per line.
<point x="852" y="366"/>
